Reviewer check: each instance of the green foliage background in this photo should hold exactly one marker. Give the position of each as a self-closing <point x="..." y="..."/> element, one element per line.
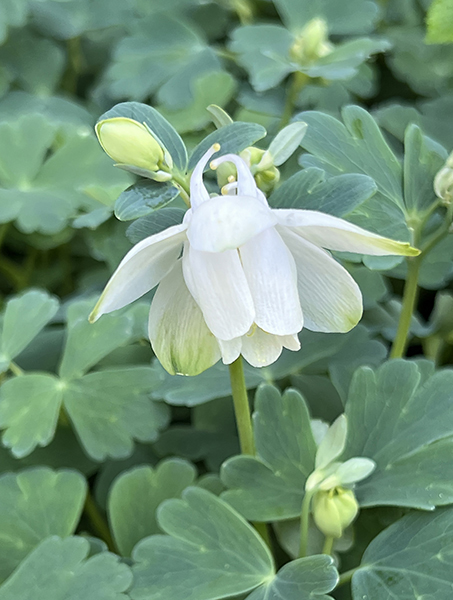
<point x="120" y="481"/>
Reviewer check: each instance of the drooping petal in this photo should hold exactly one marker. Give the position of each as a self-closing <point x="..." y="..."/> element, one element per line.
<point x="246" y="182"/>
<point x="333" y="233"/>
<point x="330" y="298"/>
<point x="291" y="342"/>
<point x="198" y="191"/>
<point x="177" y="330"/>
<point x="230" y="350"/>
<point x="227" y="222"/>
<point x="141" y="269"/>
<point x="218" y="284"/>
<point x="261" y="349"/>
<point x="271" y="274"/>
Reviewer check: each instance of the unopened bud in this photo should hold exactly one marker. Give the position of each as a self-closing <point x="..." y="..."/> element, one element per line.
<point x="334" y="510"/>
<point x="443" y="182"/>
<point x="312" y="42"/>
<point x="129" y="142"/>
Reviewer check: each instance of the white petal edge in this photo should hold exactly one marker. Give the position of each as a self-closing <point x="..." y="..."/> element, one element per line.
<point x="178" y="333"/>
<point x="272" y="277"/>
<point x="330" y="298"/>
<point x="141" y="269"/>
<point x="261" y="349"/>
<point x="198" y="191"/>
<point x="218" y="284"/>
<point x="333" y="233"/>
<point x="230" y="349"/>
<point x="227" y="222"/>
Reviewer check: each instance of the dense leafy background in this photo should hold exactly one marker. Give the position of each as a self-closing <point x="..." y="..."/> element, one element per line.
<point x="105" y="458"/>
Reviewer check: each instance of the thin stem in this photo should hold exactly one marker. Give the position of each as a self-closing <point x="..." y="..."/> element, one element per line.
<point x="98" y="522"/>
<point x="409" y="300"/>
<point x="328" y="545"/>
<point x="304" y="523"/>
<point x="347" y="576"/>
<point x="298" y="81"/>
<point x="242" y="407"/>
<point x="183" y="187"/>
<point x="15" y="369"/>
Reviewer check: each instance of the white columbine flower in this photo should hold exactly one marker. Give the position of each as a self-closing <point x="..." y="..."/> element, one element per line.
<point x="237" y="277"/>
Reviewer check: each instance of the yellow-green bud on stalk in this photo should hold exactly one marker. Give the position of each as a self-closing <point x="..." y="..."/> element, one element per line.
<point x="334" y="510"/>
<point x="312" y="42"/>
<point x="130" y="143"/>
<point x="443" y="181"/>
<point x="265" y="178"/>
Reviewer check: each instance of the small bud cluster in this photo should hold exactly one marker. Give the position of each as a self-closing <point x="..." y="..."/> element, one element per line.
<point x="334" y="504"/>
<point x="311" y="43"/>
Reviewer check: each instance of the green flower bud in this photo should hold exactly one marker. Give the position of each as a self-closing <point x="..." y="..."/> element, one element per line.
<point x="129" y="142"/>
<point x="334" y="510"/>
<point x="443" y="181"/>
<point x="265" y="179"/>
<point x="312" y="42"/>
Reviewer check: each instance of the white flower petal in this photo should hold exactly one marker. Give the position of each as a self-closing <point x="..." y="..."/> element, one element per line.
<point x="198" y="191"/>
<point x="230" y="349"/>
<point x="271" y="274"/>
<point x="291" y="342"/>
<point x="333" y="233"/>
<point x="261" y="349"/>
<point x="141" y="269"/>
<point x="330" y="298"/>
<point x="177" y="330"/>
<point x="355" y="469"/>
<point x="227" y="222"/>
<point x="333" y="443"/>
<point x="218" y="284"/>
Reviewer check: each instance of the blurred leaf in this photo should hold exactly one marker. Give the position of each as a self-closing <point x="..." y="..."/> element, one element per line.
<point x="214" y="87"/>
<point x="24" y="317"/>
<point x="29" y="410"/>
<point x="353" y="16"/>
<point x="232" y="139"/>
<point x="57" y="569"/>
<point x="410" y="559"/>
<point x="45" y="180"/>
<point x="87" y="343"/>
<point x="271" y="486"/>
<point x="13" y="13"/>
<point x="310" y="189"/>
<point x="154" y="223"/>
<point x="37" y="64"/>
<point x="136" y="495"/>
<point x="158" y="125"/>
<point x="439" y="21"/>
<point x="109" y="409"/>
<point x="34" y="504"/>
<point x="399" y="417"/>
<point x="163" y="55"/>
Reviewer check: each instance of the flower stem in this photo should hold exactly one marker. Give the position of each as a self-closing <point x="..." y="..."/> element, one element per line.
<point x="298" y="81"/>
<point x="304" y="523"/>
<point x="328" y="545"/>
<point x="241" y="407"/>
<point x="98" y="522"/>
<point x="15" y="369"/>
<point x="409" y="300"/>
<point x="346" y="576"/>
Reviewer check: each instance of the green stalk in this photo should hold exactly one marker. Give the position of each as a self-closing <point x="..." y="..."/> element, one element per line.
<point x="98" y="522"/>
<point x="346" y="576"/>
<point x="242" y="407"/>
<point x="328" y="545"/>
<point x="297" y="83"/>
<point x="409" y="300"/>
<point x="304" y="523"/>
